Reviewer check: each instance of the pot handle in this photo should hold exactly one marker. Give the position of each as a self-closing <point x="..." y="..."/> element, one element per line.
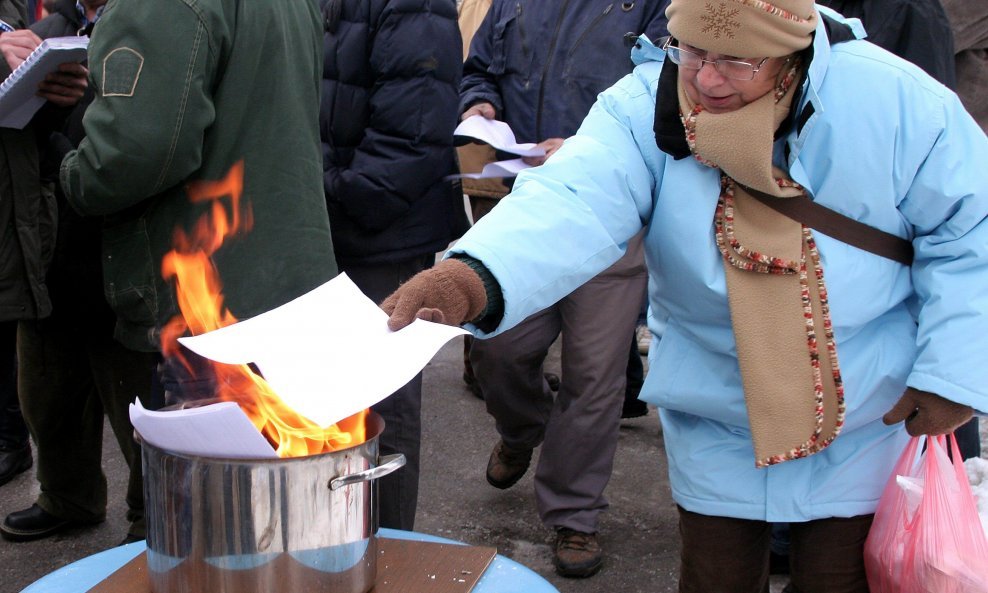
<point x="389" y="463"/>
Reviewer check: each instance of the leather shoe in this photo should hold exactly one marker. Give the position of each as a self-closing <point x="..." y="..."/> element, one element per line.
<point x="35" y="523"/>
<point x="14" y="461"/>
<point x="576" y="554"/>
<point x="507" y="465"/>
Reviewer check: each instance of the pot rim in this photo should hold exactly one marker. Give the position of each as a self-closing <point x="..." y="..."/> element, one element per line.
<point x="374" y="422"/>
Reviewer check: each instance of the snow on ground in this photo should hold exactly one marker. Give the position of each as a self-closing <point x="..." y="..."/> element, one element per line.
<point x="977" y="473"/>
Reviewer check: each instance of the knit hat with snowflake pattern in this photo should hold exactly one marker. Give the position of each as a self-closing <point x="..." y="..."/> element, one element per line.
<point x="744" y="28"/>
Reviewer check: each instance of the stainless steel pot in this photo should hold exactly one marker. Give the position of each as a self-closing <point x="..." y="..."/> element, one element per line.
<point x="264" y="525"/>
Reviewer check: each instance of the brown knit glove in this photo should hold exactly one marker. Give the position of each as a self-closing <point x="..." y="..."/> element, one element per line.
<point x="927" y="413"/>
<point x="449" y="292"/>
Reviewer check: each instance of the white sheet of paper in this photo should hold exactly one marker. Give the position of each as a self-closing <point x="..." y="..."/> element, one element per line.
<point x="329" y="353"/>
<point x="217" y="430"/>
<point x="509" y="168"/>
<point x="496" y="133"/>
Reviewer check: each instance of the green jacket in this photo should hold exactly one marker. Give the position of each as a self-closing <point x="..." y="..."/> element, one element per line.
<point x="185" y="89"/>
<point x="27" y="214"/>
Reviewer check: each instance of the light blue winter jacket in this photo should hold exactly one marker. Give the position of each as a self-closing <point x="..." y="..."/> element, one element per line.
<point x="885" y="144"/>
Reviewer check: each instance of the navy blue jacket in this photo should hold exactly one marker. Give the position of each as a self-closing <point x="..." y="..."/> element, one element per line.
<point x="541" y="63"/>
<point x="389" y="106"/>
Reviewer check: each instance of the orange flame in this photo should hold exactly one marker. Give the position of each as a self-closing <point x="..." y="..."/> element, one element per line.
<point x="200" y="300"/>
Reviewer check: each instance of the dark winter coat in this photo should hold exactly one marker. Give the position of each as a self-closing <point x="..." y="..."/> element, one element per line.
<point x="185" y="90"/>
<point x="389" y="106"/>
<point x="541" y="63"/>
<point x="914" y="30"/>
<point x="75" y="276"/>
<point x="27" y="215"/>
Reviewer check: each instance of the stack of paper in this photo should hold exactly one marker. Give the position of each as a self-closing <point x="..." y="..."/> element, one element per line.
<point x="499" y="135"/>
<point x="219" y="430"/>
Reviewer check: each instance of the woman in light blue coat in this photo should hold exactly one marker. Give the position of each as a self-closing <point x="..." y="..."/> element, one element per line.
<point x="772" y="386"/>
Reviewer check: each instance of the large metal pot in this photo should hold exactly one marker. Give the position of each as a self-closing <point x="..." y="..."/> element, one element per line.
<point x="289" y="525"/>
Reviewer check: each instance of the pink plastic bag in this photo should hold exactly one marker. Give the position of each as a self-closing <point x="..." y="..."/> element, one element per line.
<point x="927" y="536"/>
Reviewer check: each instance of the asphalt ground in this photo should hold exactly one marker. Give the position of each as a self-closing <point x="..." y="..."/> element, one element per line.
<point x="638" y="532"/>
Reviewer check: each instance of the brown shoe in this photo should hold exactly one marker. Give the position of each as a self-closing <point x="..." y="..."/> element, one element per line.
<point x="577" y="554"/>
<point x="507" y="465"/>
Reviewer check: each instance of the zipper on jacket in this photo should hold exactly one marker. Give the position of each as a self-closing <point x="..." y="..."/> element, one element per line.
<point x="591" y="26"/>
<point x="545" y="71"/>
<point x="521" y="30"/>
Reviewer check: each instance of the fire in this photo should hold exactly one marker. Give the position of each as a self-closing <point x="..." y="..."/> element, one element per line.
<point x="199" y="292"/>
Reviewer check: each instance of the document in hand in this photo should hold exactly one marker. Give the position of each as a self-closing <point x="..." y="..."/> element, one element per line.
<point x="329" y="353"/>
<point x="496" y="133"/>
<point x="19" y="99"/>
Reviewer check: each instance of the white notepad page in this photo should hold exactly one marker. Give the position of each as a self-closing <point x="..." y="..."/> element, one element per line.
<point x="19" y="99"/>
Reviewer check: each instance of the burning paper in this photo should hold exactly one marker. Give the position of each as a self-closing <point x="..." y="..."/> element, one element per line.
<point x="326" y="366"/>
<point x="329" y="353"/>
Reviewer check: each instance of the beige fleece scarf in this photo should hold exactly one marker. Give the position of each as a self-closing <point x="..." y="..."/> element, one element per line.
<point x="778" y="299"/>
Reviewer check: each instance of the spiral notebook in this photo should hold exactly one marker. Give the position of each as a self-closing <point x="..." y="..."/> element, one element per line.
<point x="19" y="99"/>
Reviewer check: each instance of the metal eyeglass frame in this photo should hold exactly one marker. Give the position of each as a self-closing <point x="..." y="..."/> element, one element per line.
<point x="675" y="54"/>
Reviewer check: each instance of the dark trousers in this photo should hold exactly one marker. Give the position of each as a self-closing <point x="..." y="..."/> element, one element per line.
<point x="68" y="378"/>
<point x="634" y="373"/>
<point x="402" y="411"/>
<point x="969" y="439"/>
<point x="13" y="431"/>
<point x="725" y="555"/>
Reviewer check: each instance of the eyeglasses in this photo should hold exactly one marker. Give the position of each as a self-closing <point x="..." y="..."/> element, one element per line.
<point x="734" y="69"/>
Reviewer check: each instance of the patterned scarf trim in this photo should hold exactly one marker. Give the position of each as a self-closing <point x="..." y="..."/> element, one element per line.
<point x="750" y="260"/>
<point x="742" y="258"/>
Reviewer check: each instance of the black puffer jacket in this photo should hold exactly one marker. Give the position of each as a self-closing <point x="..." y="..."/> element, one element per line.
<point x="389" y="106"/>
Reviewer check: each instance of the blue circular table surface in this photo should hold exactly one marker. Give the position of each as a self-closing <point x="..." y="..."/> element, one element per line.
<point x="503" y="575"/>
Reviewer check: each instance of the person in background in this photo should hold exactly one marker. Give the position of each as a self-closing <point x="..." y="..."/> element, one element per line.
<point x="71" y="369"/>
<point x="386" y="122"/>
<point x="15" y="442"/>
<point x="469" y="15"/>
<point x="793" y="362"/>
<point x="538" y="66"/>
<point x="22" y="291"/>
<point x="37" y="10"/>
<point x="186" y="103"/>
<point x="635" y="372"/>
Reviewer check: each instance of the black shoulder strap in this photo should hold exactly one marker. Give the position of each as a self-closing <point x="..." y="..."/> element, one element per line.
<point x="834" y="224"/>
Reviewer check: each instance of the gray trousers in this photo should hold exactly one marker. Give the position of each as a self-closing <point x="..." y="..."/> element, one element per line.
<point x="578" y="429"/>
